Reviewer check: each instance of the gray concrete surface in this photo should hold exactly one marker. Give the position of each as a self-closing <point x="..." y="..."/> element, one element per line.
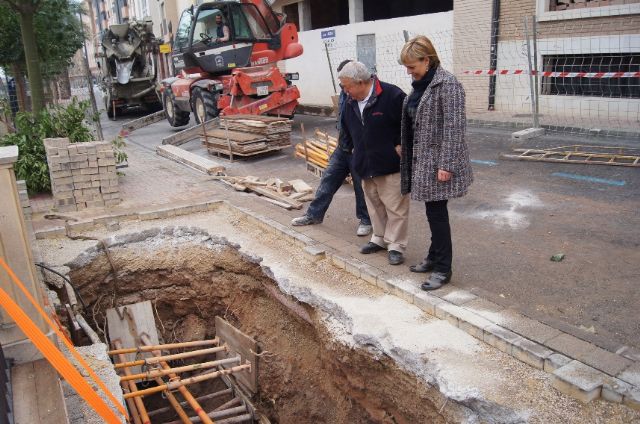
<point x="516" y="216"/>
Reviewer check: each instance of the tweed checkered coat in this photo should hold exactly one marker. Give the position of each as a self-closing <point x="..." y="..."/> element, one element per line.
<point x="438" y="140"/>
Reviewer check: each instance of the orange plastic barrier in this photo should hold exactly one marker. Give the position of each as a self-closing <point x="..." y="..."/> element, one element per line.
<point x="54" y="356"/>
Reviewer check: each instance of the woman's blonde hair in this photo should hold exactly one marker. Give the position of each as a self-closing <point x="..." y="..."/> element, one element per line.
<point x="419" y="48"/>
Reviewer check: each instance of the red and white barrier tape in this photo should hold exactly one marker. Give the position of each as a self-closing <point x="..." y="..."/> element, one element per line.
<point x="556" y="74"/>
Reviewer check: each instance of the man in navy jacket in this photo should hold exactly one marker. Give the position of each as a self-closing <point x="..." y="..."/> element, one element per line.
<point x="340" y="166"/>
<point x="371" y="125"/>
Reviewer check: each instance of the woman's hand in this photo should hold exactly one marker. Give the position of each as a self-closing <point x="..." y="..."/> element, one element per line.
<point x="444" y="175"/>
<point x="399" y="150"/>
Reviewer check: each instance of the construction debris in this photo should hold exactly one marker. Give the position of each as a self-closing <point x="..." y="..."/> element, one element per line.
<point x="247" y="135"/>
<point x="591" y="155"/>
<point x="317" y="150"/>
<point x="288" y="195"/>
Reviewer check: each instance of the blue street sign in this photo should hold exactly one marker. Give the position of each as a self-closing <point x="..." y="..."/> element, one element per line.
<point x="330" y="33"/>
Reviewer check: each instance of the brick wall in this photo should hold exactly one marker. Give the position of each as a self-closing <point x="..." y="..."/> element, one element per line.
<point x="512" y="27"/>
<point x="83" y="175"/>
<point x="471" y="48"/>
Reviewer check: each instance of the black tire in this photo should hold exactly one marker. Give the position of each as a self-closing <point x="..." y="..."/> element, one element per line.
<point x="108" y="105"/>
<point x="175" y="116"/>
<point x="204" y="104"/>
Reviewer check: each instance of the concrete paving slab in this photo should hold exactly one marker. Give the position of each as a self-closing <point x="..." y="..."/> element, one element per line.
<point x="579" y="381"/>
<point x="526" y="327"/>
<point x="631" y="374"/>
<point x="555" y="361"/>
<point x="570" y="346"/>
<point x="605" y="361"/>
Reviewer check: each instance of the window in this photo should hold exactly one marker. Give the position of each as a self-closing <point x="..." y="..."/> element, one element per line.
<point x="366" y="50"/>
<point x="291" y="11"/>
<point x="374" y="10"/>
<point x="205" y="25"/>
<point x="592" y="86"/>
<point x="256" y="22"/>
<point x="182" y="33"/>
<point x="555" y="5"/>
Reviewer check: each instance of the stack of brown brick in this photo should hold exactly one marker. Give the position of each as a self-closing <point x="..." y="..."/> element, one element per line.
<point x="83" y="175"/>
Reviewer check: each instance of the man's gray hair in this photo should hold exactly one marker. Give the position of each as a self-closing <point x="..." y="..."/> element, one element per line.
<point x="356" y="71"/>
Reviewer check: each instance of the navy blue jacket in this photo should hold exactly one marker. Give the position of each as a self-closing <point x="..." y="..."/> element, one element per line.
<point x="375" y="134"/>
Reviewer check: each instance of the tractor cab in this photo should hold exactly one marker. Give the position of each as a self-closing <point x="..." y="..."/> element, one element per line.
<point x="217" y="37"/>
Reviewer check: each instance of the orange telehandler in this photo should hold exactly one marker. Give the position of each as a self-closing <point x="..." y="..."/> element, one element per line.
<point x="225" y="55"/>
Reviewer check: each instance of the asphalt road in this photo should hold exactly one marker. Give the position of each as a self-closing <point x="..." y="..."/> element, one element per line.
<point x="515" y="217"/>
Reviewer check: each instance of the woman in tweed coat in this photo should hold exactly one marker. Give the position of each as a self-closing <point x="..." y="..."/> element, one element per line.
<point x="434" y="163"/>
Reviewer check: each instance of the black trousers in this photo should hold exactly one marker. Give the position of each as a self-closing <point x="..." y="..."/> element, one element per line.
<point x="440" y="251"/>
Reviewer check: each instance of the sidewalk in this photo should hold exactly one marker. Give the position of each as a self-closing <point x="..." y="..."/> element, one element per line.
<point x="502" y="253"/>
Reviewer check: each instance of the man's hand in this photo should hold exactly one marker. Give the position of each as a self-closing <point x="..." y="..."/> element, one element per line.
<point x="399" y="150"/>
<point x="444" y="175"/>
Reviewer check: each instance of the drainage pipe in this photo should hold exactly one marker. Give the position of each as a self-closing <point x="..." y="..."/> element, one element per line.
<point x="493" y="53"/>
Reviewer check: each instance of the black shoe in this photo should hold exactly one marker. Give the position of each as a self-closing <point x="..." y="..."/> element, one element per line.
<point x="436" y="280"/>
<point x="370" y="247"/>
<point x="304" y="220"/>
<point x="424" y="266"/>
<point x="395" y="257"/>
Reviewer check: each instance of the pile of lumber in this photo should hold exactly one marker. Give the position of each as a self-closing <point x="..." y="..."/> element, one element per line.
<point x="247" y="135"/>
<point x="239" y="143"/>
<point x="318" y="149"/>
<point x="288" y="195"/>
<point x="277" y="131"/>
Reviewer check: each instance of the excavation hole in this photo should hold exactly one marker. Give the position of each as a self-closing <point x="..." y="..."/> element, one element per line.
<point x="305" y="374"/>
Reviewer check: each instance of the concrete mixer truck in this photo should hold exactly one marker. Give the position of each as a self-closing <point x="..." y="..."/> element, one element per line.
<point x="127" y="63"/>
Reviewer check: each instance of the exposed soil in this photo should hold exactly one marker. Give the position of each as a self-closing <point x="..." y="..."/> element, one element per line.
<point x="335" y="348"/>
<point x="305" y="376"/>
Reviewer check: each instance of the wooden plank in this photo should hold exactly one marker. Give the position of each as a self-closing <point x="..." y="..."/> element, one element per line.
<point x="275" y="196"/>
<point x="239" y="344"/>
<point x="190" y="159"/>
<point x="127" y="323"/>
<point x="189" y="134"/>
<point x="261" y="118"/>
<point x="237" y="136"/>
<point x="23" y="381"/>
<point x="277" y="203"/>
<point x="51" y="407"/>
<point x="144" y="121"/>
<point x="548" y="159"/>
<point x="37" y="401"/>
<point x="225" y="151"/>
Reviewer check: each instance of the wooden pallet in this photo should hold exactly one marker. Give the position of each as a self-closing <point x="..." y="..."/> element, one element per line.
<point x="224" y="152"/>
<point x="247" y="135"/>
<point x="591" y="155"/>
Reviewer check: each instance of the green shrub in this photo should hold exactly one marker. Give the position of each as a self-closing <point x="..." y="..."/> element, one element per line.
<point x="31" y="130"/>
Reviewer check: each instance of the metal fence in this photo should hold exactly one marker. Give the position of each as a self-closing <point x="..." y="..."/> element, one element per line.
<point x="571" y="77"/>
